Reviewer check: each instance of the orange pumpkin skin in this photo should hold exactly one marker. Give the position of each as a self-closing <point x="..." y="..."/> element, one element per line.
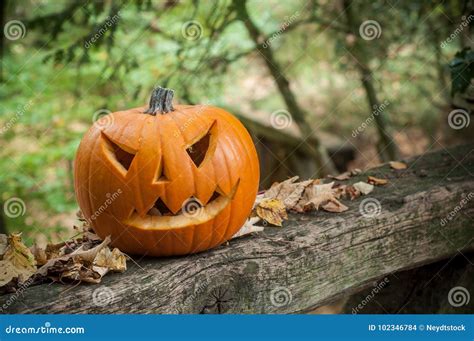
<point x="124" y="166"/>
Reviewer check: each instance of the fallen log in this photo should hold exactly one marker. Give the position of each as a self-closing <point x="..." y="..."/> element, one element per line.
<point x="424" y="215"/>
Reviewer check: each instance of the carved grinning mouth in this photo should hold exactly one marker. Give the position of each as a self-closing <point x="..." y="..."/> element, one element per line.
<point x="160" y="217"/>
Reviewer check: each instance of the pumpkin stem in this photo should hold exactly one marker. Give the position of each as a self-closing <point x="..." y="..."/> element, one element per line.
<point x="160" y="101"/>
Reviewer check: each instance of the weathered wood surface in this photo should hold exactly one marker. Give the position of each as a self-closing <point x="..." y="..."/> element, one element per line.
<point x="311" y="261"/>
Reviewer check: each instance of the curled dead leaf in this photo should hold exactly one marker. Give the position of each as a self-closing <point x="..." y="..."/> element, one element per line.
<point x="18" y="263"/>
<point x="376" y="181"/>
<point x="272" y="210"/>
<point x="363" y="187"/>
<point x="342" y="176"/>
<point x="249" y="227"/>
<point x="289" y="191"/>
<point x="398" y="165"/>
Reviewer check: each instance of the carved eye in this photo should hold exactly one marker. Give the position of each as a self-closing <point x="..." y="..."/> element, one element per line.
<point x="197" y="152"/>
<point x="122" y="157"/>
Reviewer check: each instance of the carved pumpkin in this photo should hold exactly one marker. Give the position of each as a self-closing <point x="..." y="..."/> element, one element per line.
<point x="166" y="181"/>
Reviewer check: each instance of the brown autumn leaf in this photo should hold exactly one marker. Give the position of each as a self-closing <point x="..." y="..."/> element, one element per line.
<point x="113" y="260"/>
<point x="272" y="210"/>
<point x="342" y="176"/>
<point x="314" y="196"/>
<point x="289" y="191"/>
<point x="398" y="165"/>
<point x="17" y="263"/>
<point x="363" y="187"/>
<point x="249" y="227"/>
<point x="322" y="196"/>
<point x="3" y="244"/>
<point x="352" y="192"/>
<point x="376" y="181"/>
<point x="334" y="206"/>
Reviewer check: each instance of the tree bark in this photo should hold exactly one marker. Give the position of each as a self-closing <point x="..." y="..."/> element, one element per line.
<point x="311" y="261"/>
<point x="324" y="163"/>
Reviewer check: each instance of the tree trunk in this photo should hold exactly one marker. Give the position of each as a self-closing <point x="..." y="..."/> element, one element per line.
<point x="425" y="214"/>
<point x="387" y="147"/>
<point x="323" y="162"/>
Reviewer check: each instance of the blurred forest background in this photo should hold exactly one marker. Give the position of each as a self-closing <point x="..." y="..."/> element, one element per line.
<point x="323" y="86"/>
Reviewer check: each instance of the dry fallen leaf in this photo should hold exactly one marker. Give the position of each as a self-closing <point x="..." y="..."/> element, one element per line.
<point x="3" y="244"/>
<point x="17" y="261"/>
<point x="352" y="192"/>
<point x="80" y="255"/>
<point x="376" y="181"/>
<point x="113" y="260"/>
<point x="334" y="206"/>
<point x="249" y="227"/>
<point x="363" y="187"/>
<point x="40" y="255"/>
<point x="316" y="195"/>
<point x="272" y="210"/>
<point x="289" y="192"/>
<point x="398" y="165"/>
<point x="341" y="177"/>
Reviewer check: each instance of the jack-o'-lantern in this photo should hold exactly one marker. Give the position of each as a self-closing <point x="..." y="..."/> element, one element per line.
<point x="164" y="180"/>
